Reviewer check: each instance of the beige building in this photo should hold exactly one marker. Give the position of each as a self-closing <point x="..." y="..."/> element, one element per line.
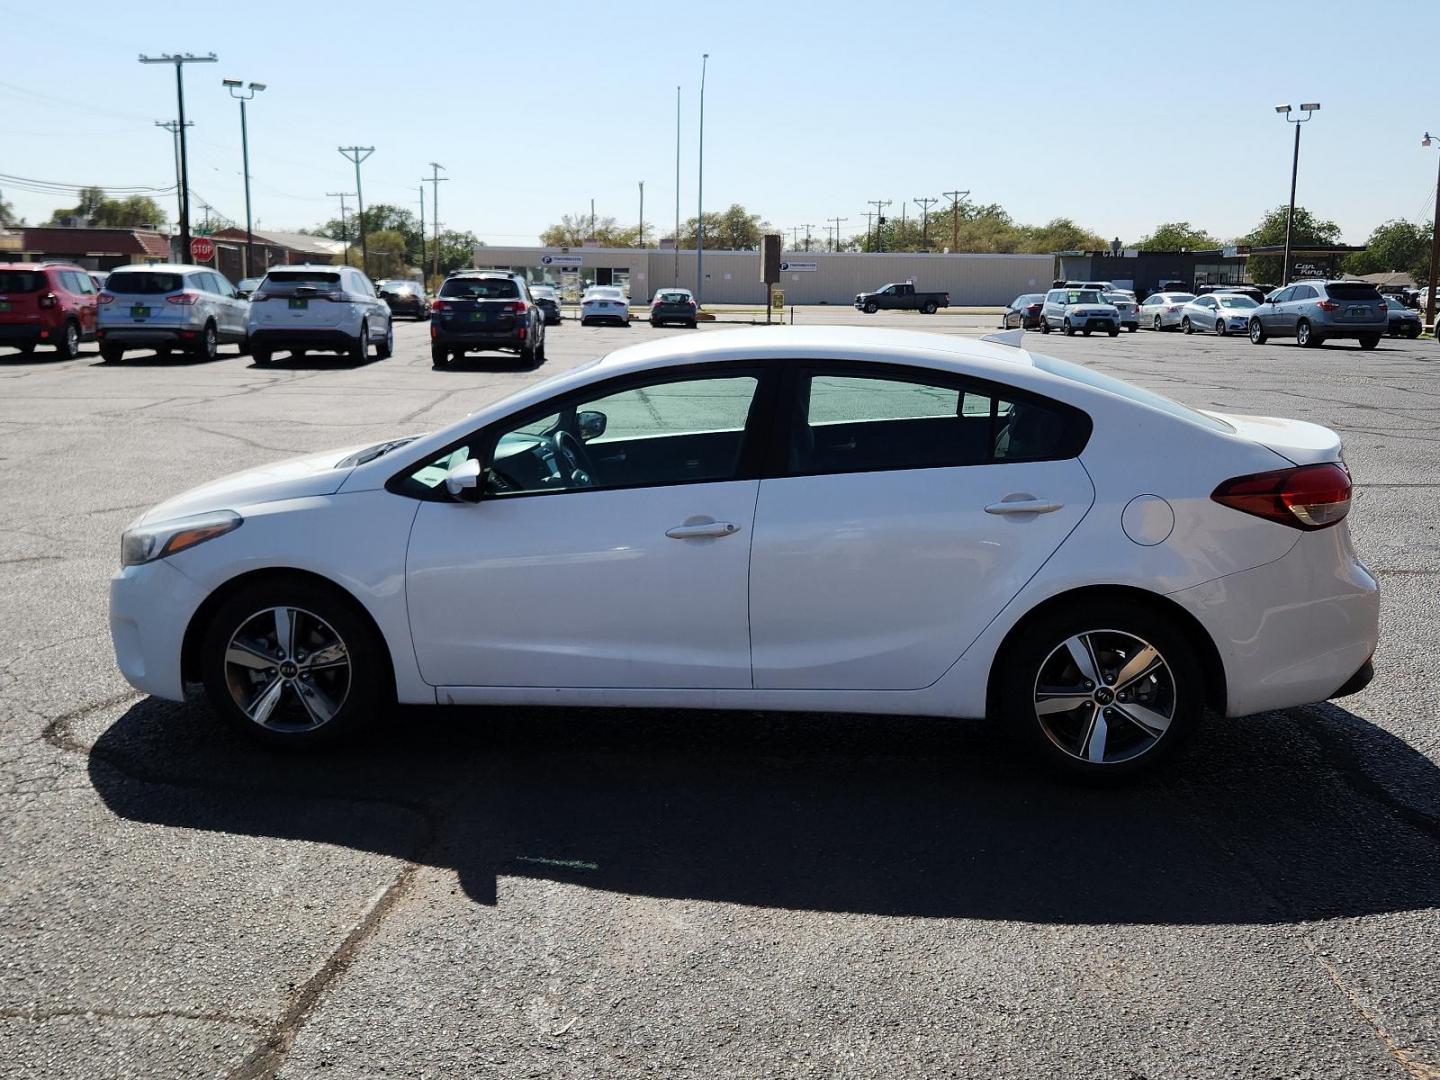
<point x="815" y="277"/>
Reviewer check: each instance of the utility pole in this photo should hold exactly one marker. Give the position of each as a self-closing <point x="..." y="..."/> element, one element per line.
<point x="434" y="180"/>
<point x="173" y="127"/>
<point x="880" y="205"/>
<point x="180" y="60"/>
<point x="925" y="205"/>
<point x="835" y="244"/>
<point x="807" y="229"/>
<point x="676" y="245"/>
<point x="422" y="237"/>
<point x="254" y="88"/>
<point x="357" y="154"/>
<point x="592" y="219"/>
<point x="700" y="193"/>
<point x="795" y="237"/>
<point x="1430" y="140"/>
<point x="344" y="228"/>
<point x="869" y="221"/>
<point x="955" y="197"/>
<point x="206" y="224"/>
<point x="642" y="213"/>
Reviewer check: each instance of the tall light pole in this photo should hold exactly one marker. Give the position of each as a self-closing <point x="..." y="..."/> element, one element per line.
<point x="676" y="245"/>
<point x="1430" y="140"/>
<point x="180" y="60"/>
<point x="1309" y="110"/>
<point x="234" y="86"/>
<point x="642" y="213"/>
<point x="357" y="154"/>
<point x="700" y="208"/>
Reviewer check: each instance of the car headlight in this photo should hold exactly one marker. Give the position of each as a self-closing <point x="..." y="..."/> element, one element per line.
<point x="146" y="543"/>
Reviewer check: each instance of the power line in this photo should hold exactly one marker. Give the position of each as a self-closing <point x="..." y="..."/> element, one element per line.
<point x="125" y="189"/>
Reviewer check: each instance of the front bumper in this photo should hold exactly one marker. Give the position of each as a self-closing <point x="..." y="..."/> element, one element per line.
<point x="296" y="338"/>
<point x="1095" y="322"/>
<point x="150" y="608"/>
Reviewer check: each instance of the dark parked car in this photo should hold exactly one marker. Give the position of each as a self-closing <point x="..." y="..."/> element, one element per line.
<point x="901" y="296"/>
<point x="674" y="305"/>
<point x="47" y="304"/>
<point x="404" y="298"/>
<point x="1024" y="312"/>
<point x="549" y="301"/>
<point x="1315" y="311"/>
<point x="485" y="311"/>
<point x="247" y="286"/>
<point x="1403" y="321"/>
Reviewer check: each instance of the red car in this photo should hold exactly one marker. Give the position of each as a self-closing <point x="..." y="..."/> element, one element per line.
<point x="46" y="304"/>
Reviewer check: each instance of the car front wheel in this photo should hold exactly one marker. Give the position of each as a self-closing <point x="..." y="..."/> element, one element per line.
<point x="387" y="347"/>
<point x="1257" y="332"/>
<point x="1069" y="330"/>
<point x="1185" y="327"/>
<point x="1156" y="324"/>
<point x="1220" y="327"/>
<point x="292" y="663"/>
<point x="1103" y="690"/>
<point x="209" y="345"/>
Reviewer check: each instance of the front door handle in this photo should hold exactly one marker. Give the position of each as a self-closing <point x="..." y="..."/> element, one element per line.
<point x="702" y="530"/>
<point x="1023" y="504"/>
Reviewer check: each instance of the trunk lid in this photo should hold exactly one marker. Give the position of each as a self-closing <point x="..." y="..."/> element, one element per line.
<point x="1295" y="440"/>
<point x="306" y="299"/>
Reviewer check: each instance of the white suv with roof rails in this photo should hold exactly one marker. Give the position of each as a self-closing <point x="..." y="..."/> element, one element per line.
<point x="335" y="309"/>
<point x="167" y="306"/>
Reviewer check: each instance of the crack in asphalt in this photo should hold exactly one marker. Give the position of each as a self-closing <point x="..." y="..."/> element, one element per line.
<point x="39" y="1015"/>
<point x="1408" y="1058"/>
<point x="268" y="1057"/>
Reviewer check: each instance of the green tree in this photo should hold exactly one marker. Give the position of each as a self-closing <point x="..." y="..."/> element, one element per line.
<point x="573" y="230"/>
<point x="1060" y="234"/>
<point x="1308" y="229"/>
<point x="1394" y="247"/>
<point x="388" y="256"/>
<point x="733" y="229"/>
<point x="93" y="204"/>
<point x="1177" y="236"/>
<point x="382" y="217"/>
<point x="457" y="249"/>
<point x="7" y="215"/>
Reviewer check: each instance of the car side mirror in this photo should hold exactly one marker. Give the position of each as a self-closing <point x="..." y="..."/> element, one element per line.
<point x="463" y="481"/>
<point x="592" y="424"/>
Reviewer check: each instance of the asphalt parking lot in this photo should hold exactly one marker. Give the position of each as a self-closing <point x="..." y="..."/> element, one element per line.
<point x="514" y="892"/>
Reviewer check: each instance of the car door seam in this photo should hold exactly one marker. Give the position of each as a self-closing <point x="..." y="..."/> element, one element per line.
<point x="749" y="570"/>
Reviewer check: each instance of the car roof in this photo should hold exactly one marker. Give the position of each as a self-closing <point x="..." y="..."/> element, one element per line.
<point x="168" y="268"/>
<point x="314" y="266"/>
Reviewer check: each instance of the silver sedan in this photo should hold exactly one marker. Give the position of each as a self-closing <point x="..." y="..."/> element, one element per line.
<point x="1222" y="313"/>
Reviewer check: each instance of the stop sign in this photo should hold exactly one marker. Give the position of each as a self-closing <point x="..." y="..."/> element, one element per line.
<point x="202" y="249"/>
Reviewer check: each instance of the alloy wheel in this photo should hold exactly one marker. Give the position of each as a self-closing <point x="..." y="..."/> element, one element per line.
<point x="1157" y="322"/>
<point x="287" y="669"/>
<point x="1105" y="696"/>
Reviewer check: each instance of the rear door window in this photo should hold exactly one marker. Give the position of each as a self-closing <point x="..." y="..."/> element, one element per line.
<point x="144" y="282"/>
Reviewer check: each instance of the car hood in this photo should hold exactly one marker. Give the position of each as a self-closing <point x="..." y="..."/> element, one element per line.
<point x="293" y="478"/>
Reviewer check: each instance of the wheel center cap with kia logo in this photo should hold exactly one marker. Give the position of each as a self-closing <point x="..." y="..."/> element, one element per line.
<point x="289" y="669"/>
<point x="1104" y="695"/>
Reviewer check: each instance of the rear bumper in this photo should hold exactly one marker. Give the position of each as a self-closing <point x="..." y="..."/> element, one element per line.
<point x="1356" y="682"/>
<point x="502" y="339"/>
<point x="1351" y="330"/>
<point x="144" y="336"/>
<point x="610" y="317"/>
<point x="21" y="334"/>
<point x="296" y="338"/>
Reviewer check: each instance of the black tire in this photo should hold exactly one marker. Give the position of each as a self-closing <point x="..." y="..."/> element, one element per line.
<point x="1413" y="333"/>
<point x="68" y="347"/>
<point x="1115" y="332"/>
<point x="1085" y="332"/>
<point x="1257" y="332"/>
<point x="112" y="354"/>
<point x="355" y="689"/>
<point x="1064" y="739"/>
<point x="654" y="325"/>
<point x="871" y="308"/>
<point x="1132" y="328"/>
<point x="1185" y="327"/>
<point x="27" y="349"/>
<point x="261" y="357"/>
<point x="1369" y="341"/>
<point x="1220" y="327"/>
<point x="928" y="308"/>
<point x="1069" y="330"/>
<point x="359" y="350"/>
<point x="692" y="324"/>
<point x="242" y="347"/>
<point x="1044" y="326"/>
<point x="163" y="352"/>
<point x="1158" y="326"/>
<point x="208" y="347"/>
<point x="386" y="348"/>
<point x="1305" y="335"/>
<point x="439" y="356"/>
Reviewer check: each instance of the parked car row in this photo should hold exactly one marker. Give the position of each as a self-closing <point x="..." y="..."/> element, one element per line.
<point x="1310" y="311"/>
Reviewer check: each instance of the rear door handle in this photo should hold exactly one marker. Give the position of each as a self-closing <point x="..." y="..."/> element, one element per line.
<point x="1023" y="505"/>
<point x="702" y="530"/>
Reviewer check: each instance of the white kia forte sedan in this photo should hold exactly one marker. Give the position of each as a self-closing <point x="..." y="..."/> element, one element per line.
<point x="826" y="519"/>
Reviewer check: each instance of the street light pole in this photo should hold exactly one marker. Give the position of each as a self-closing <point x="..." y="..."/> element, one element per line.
<point x="1309" y="110"/>
<point x="642" y="213"/>
<point x="233" y="85"/>
<point x="700" y="200"/>
<point x="434" y="180"/>
<point x="1430" y="140"/>
<point x="180" y="60"/>
<point x="357" y="154"/>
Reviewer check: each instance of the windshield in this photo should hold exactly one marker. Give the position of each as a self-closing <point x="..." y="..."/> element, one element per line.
<point x="1236" y="301"/>
<point x="1091" y="377"/>
<point x="1083" y="296"/>
<point x="147" y="282"/>
<point x="481" y="288"/>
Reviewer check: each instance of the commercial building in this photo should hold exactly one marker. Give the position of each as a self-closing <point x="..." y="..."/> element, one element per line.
<point x="1146" y="271"/>
<point x="814" y="277"/>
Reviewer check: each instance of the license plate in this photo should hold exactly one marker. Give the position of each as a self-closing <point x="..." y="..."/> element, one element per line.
<point x="139" y="311"/>
<point x="1360" y="313"/>
<point x="298" y="303"/>
<point x="479" y="316"/>
<point x="4" y="305"/>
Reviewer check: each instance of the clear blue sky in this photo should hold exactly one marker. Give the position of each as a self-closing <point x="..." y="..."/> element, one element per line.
<point x="1126" y="116"/>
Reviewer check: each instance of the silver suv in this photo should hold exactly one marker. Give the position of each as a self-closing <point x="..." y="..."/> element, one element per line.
<point x="1314" y="311"/>
<point x="320" y="308"/>
<point x="168" y="306"/>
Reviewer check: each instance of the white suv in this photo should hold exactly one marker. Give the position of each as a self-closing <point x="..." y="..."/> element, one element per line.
<point x="1079" y="309"/>
<point x="165" y="306"/>
<point x="319" y="308"/>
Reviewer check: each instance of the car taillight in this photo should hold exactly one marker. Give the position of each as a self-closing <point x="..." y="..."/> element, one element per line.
<point x="517" y="308"/>
<point x="186" y="298"/>
<point x="49" y="300"/>
<point x="1328" y="305"/>
<point x="105" y="298"/>
<point x="1307" y="497"/>
<point x="439" y="305"/>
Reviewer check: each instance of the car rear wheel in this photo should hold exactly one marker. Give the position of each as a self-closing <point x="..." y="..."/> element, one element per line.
<point x="111" y="354"/>
<point x="1156" y="325"/>
<point x="439" y="356"/>
<point x="209" y="344"/>
<point x="1044" y="326"/>
<point x="1133" y="327"/>
<point x="292" y="663"/>
<point x="1185" y="327"/>
<point x="360" y="348"/>
<point x="1305" y="337"/>
<point x="261" y="357"/>
<point x="1369" y="341"/>
<point x="387" y="347"/>
<point x="1257" y="332"/>
<point x="928" y="308"/>
<point x="1102" y="690"/>
<point x="68" y="347"/>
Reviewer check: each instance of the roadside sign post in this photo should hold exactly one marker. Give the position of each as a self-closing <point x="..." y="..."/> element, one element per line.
<point x="202" y="249"/>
